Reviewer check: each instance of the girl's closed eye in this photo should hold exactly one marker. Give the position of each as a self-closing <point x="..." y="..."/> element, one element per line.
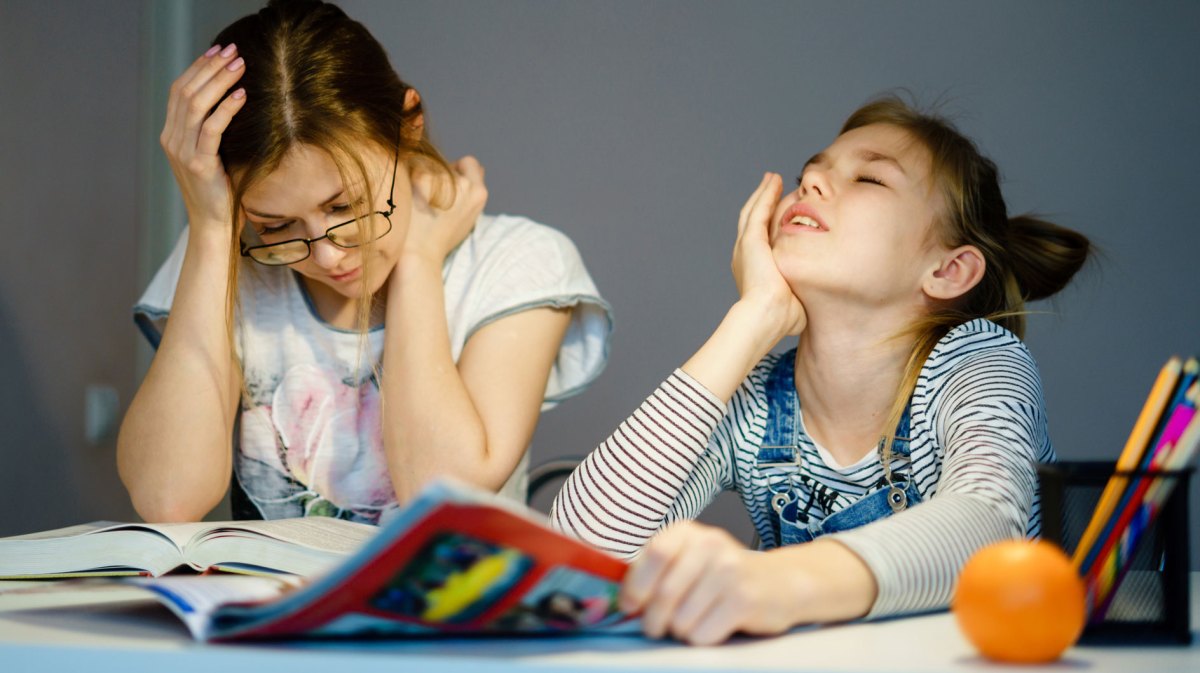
<point x="870" y="179"/>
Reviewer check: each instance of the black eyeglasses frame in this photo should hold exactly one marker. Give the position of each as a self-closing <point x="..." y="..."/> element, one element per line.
<point x="246" y="250"/>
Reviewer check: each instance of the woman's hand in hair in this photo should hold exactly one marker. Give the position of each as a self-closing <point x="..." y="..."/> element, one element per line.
<point x="758" y="279"/>
<point x="199" y="108"/>
<point x="698" y="584"/>
<point x="433" y="232"/>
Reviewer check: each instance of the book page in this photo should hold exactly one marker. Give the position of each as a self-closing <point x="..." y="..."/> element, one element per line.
<point x="97" y="548"/>
<point x="177" y="533"/>
<point x="302" y="546"/>
<point x="194" y="598"/>
<point x="69" y="531"/>
<point x="317" y="532"/>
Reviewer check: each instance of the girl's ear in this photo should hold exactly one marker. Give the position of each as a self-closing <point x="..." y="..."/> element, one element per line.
<point x="959" y="270"/>
<point x="416" y="128"/>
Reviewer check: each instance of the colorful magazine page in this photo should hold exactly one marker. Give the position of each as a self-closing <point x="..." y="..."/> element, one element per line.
<point x="456" y="561"/>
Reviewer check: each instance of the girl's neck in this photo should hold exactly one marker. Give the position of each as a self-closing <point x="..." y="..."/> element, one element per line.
<point x="848" y="370"/>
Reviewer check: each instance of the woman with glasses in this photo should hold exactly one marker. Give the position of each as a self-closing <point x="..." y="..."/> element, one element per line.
<point x="339" y="305"/>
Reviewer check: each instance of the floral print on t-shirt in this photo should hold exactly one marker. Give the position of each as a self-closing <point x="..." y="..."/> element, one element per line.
<point x="316" y="448"/>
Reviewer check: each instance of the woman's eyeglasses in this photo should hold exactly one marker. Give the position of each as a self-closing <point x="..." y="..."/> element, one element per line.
<point x="350" y="234"/>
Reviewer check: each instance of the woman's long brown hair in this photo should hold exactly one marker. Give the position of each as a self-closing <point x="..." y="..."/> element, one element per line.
<point x="316" y="77"/>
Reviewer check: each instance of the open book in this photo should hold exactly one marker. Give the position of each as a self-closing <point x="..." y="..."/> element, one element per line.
<point x="456" y="560"/>
<point x="304" y="546"/>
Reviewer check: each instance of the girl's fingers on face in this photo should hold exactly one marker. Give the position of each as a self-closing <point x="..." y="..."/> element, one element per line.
<point x="744" y="215"/>
<point x="772" y="189"/>
<point x="766" y="197"/>
<point x="210" y="132"/>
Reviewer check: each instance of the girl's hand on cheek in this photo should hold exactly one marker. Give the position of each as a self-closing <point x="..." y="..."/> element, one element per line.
<point x="434" y="232"/>
<point x="758" y="279"/>
<point x="698" y="584"/>
<point x="191" y="135"/>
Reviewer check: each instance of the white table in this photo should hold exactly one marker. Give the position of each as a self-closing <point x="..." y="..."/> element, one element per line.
<point x="120" y="629"/>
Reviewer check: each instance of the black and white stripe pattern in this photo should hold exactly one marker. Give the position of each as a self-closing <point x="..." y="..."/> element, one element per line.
<point x="978" y="427"/>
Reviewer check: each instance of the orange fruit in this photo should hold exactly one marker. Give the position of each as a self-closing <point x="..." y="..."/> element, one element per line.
<point x="1020" y="601"/>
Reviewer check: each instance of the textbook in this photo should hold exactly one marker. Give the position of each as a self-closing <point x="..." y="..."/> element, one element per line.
<point x="455" y="561"/>
<point x="302" y="546"/>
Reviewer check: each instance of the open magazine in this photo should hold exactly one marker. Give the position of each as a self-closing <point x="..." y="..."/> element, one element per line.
<point x="456" y="560"/>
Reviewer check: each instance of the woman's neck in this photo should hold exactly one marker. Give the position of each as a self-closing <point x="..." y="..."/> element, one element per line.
<point x="338" y="310"/>
<point x="848" y="370"/>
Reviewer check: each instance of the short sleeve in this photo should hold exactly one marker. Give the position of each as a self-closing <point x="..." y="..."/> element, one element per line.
<point x="512" y="264"/>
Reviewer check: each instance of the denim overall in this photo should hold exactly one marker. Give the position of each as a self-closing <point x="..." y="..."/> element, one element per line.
<point x="791" y="517"/>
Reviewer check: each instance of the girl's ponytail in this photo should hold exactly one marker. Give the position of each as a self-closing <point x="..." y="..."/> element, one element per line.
<point x="1043" y="256"/>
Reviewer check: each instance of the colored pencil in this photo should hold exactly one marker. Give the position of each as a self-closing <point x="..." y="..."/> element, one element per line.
<point x="1177" y="417"/>
<point x="1131" y="455"/>
<point x="1181" y="457"/>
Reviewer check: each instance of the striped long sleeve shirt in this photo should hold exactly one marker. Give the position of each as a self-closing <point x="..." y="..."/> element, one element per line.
<point x="977" y="429"/>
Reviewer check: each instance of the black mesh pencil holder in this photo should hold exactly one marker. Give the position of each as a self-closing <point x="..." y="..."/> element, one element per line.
<point x="1152" y="604"/>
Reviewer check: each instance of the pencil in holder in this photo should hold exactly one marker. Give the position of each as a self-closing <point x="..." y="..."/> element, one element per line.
<point x="1152" y="600"/>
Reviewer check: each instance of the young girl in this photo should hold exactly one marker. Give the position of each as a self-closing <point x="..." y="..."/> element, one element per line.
<point x="896" y="439"/>
<point x="338" y="304"/>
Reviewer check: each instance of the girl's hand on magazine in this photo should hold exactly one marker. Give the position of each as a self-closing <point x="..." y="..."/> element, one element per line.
<point x="698" y="584"/>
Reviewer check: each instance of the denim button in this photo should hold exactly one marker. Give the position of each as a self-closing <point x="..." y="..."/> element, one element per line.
<point x="778" y="501"/>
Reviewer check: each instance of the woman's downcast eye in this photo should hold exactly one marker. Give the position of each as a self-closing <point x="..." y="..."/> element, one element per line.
<point x="266" y="229"/>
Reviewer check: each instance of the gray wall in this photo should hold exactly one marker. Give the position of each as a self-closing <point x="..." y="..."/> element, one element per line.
<point x="638" y="128"/>
<point x="69" y="189"/>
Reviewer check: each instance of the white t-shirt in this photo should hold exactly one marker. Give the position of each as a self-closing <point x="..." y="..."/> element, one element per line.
<point x="309" y="437"/>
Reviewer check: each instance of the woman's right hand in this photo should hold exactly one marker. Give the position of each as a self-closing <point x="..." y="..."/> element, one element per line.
<point x="758" y="279"/>
<point x="193" y="129"/>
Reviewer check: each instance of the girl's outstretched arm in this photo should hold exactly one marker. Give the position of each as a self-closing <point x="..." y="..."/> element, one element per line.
<point x="174" y="448"/>
<point x="697" y="584"/>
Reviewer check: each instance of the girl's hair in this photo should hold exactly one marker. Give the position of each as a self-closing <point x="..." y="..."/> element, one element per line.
<point x="1025" y="258"/>
<point x="316" y="77"/>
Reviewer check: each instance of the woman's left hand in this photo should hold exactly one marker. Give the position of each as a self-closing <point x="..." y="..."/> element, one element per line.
<point x="698" y="584"/>
<point x="434" y="232"/>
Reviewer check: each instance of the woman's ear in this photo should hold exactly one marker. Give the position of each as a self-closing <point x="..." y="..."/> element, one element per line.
<point x="416" y="125"/>
<point x="958" y="272"/>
